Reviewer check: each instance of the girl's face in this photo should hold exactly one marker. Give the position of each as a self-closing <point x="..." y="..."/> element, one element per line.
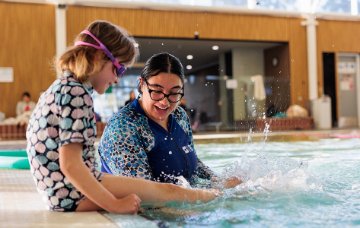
<point x="153" y="89"/>
<point x="102" y="80"/>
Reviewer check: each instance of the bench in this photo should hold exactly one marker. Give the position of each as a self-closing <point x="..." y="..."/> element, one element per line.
<point x="12" y="131"/>
<point x="286" y="124"/>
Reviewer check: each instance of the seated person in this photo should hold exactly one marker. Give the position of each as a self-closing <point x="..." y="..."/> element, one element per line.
<point x="24" y="109"/>
<point x="25" y="105"/>
<point x="151" y="138"/>
<point x="131" y="97"/>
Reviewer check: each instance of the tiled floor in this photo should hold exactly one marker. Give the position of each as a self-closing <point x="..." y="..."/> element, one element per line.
<point x="21" y="206"/>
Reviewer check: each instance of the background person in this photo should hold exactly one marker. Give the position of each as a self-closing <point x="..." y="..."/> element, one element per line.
<point x="62" y="129"/>
<point x="131" y="97"/>
<point x="152" y="137"/>
<point x="25" y="104"/>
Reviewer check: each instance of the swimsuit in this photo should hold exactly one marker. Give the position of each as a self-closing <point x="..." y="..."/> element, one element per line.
<point x="63" y="115"/>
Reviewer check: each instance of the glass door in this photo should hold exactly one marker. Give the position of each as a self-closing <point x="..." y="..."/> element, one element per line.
<point x="347" y="90"/>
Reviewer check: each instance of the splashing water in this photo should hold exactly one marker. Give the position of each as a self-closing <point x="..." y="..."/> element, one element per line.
<point x="297" y="184"/>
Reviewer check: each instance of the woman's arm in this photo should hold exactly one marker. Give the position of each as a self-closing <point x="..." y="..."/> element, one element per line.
<point x="79" y="175"/>
<point x="123" y="148"/>
<point x="204" y="171"/>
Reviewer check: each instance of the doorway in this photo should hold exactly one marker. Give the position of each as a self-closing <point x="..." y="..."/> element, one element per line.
<point x="329" y="79"/>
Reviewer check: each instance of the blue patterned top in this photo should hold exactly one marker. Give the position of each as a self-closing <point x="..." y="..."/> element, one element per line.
<point x="134" y="145"/>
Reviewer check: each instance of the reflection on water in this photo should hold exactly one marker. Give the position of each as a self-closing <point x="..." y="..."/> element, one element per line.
<point x="298" y="184"/>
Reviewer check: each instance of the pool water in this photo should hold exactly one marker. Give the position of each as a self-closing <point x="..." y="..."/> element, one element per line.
<point x="286" y="184"/>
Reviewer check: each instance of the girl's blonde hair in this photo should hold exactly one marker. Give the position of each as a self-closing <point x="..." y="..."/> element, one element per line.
<point x="83" y="61"/>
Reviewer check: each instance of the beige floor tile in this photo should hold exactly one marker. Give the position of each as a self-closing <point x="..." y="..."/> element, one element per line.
<point x="21" y="206"/>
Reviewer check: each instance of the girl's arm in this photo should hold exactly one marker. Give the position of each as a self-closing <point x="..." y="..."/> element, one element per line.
<point x="79" y="175"/>
<point x="119" y="194"/>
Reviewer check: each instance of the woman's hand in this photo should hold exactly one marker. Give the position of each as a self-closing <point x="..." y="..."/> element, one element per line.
<point x="227" y="183"/>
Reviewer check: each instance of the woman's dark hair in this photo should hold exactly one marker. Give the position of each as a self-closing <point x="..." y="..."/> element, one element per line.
<point x="162" y="63"/>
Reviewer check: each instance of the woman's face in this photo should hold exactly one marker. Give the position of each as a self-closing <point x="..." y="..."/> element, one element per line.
<point x="102" y="80"/>
<point x="166" y="83"/>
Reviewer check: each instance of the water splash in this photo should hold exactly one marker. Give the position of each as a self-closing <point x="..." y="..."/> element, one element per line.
<point x="270" y="174"/>
<point x="266" y="131"/>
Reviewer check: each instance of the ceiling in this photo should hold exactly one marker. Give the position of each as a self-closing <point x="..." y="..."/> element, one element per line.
<point x="201" y="50"/>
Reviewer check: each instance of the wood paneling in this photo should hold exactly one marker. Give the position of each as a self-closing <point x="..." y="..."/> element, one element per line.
<point x="27" y="43"/>
<point x="152" y="23"/>
<point x="298" y="64"/>
<point x="278" y="77"/>
<point x="336" y="36"/>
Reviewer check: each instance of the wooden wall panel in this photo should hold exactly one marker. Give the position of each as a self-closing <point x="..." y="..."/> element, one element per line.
<point x="152" y="23"/>
<point x="278" y="76"/>
<point x="28" y="45"/>
<point x="298" y="64"/>
<point x="336" y="36"/>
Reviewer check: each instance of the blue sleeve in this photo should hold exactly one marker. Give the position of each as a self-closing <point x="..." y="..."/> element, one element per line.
<point x="122" y="150"/>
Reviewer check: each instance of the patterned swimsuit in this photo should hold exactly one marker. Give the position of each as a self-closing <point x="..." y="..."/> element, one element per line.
<point x="64" y="114"/>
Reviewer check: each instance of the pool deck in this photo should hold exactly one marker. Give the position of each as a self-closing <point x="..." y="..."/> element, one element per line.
<point x="241" y="137"/>
<point x="21" y="205"/>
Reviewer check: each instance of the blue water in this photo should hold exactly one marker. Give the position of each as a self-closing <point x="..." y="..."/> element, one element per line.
<point x="286" y="184"/>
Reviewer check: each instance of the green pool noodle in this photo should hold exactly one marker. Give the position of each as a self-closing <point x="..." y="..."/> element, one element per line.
<point x="7" y="162"/>
<point x="13" y="153"/>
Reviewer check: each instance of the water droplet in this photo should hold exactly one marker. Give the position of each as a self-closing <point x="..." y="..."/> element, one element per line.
<point x="170" y="152"/>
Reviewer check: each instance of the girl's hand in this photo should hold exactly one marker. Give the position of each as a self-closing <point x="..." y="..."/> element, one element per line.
<point x="209" y="194"/>
<point x="128" y="205"/>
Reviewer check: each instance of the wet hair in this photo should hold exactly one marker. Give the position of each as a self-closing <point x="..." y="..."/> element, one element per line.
<point x="83" y="61"/>
<point x="162" y="63"/>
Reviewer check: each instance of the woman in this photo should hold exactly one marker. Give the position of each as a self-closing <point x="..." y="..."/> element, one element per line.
<point x="151" y="137"/>
<point x="61" y="132"/>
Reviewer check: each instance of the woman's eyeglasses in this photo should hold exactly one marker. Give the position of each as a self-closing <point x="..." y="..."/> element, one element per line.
<point x="157" y="95"/>
<point x="120" y="68"/>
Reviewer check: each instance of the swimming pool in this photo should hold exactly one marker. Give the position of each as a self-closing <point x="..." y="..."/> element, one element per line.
<point x="287" y="184"/>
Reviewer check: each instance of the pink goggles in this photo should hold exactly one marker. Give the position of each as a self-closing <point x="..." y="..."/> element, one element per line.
<point x="120" y="68"/>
